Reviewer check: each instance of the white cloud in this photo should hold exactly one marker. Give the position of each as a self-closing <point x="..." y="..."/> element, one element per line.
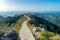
<point x="3" y="6"/>
<point x="6" y="7"/>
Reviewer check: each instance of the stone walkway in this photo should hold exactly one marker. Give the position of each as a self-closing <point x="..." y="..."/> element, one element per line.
<point x="25" y="33"/>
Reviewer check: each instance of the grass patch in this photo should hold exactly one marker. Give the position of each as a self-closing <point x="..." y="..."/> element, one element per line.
<point x="30" y="26"/>
<point x="17" y="28"/>
<point x="46" y="35"/>
<point x="18" y="25"/>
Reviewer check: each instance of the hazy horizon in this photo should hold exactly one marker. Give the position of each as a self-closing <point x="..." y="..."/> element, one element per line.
<point x="13" y="13"/>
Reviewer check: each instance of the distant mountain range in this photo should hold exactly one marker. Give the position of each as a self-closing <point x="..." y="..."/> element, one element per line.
<point x="53" y="19"/>
<point x="11" y="22"/>
<point x="12" y="13"/>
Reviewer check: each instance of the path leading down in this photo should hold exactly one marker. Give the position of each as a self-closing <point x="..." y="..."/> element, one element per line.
<point x="25" y="33"/>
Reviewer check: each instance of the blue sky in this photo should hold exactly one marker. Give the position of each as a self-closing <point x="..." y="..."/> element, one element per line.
<point x="29" y="5"/>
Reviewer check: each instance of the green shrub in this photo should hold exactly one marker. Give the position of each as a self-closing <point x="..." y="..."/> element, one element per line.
<point x="48" y="34"/>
